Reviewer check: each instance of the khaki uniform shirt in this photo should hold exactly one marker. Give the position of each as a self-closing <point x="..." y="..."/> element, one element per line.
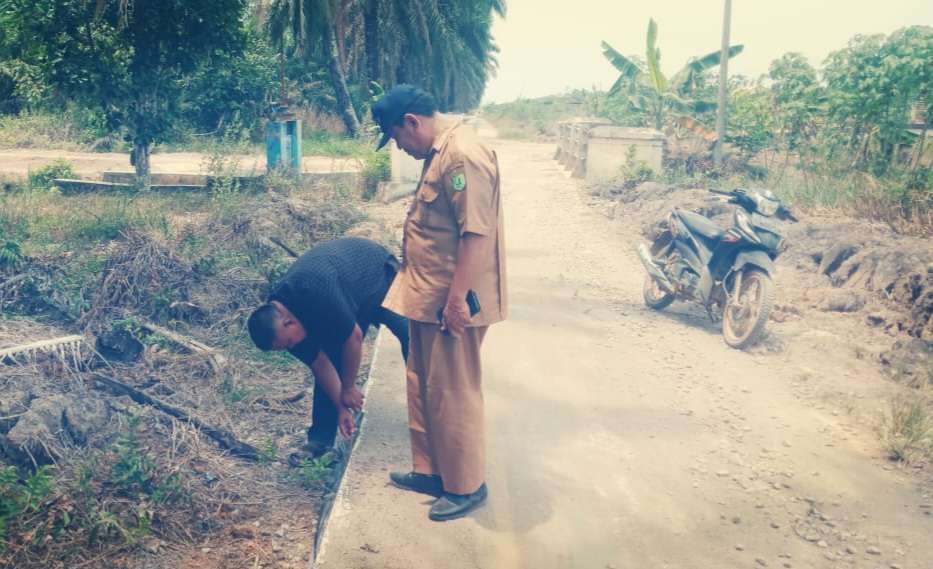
<point x="458" y="194"/>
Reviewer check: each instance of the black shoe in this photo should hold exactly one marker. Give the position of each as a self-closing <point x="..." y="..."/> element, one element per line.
<point x="453" y="506"/>
<point x="424" y="483"/>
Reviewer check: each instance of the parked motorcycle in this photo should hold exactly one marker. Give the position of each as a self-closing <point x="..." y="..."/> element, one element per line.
<point x="728" y="271"/>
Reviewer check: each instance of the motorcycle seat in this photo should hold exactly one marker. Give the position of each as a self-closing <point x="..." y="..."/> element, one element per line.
<point x="700" y="225"/>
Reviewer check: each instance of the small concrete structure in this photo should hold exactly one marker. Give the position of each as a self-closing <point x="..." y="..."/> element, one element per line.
<point x="71" y="186"/>
<point x="609" y="148"/>
<point x="571" y="142"/>
<point x="406" y="173"/>
<point x="404" y="167"/>
<point x="596" y="150"/>
<point x="283" y="143"/>
<point x="160" y="178"/>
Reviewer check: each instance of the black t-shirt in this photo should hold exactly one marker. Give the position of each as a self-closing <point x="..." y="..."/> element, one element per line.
<point x="331" y="288"/>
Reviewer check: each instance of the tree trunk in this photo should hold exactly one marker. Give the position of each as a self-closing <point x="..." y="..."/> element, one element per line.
<point x="339" y="80"/>
<point x="371" y="36"/>
<point x="139" y="157"/>
<point x="923" y="139"/>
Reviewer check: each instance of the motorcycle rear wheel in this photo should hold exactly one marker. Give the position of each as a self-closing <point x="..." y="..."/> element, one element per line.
<point x="656" y="298"/>
<point x="745" y="317"/>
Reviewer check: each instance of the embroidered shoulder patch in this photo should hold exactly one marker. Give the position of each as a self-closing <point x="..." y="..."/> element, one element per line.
<point x="458" y="181"/>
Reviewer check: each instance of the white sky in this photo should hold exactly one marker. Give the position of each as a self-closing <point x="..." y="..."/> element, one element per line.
<point x="550" y="46"/>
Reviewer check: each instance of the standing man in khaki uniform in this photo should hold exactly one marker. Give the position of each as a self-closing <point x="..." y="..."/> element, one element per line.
<point x="453" y="245"/>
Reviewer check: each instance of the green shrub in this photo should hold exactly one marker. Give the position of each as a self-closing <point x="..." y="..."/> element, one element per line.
<point x="50" y="131"/>
<point x="19" y="498"/>
<point x="376" y="168"/>
<point x="42" y="178"/>
<point x="11" y="255"/>
<point x="135" y="473"/>
<point x="635" y="172"/>
<point x="313" y="473"/>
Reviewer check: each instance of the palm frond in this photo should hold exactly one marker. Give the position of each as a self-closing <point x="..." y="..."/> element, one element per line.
<point x="658" y="80"/>
<point x="686" y="79"/>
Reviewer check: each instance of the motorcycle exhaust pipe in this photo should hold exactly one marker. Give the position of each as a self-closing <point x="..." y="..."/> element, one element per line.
<point x="653" y="269"/>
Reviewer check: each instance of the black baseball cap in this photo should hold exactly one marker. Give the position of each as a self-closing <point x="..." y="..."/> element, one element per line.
<point x="398" y="101"/>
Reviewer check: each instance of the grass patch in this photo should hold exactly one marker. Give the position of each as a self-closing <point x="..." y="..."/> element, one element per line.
<point x="48" y="131"/>
<point x="323" y="143"/>
<point x="904" y="201"/>
<point x="45" y="222"/>
<point x="533" y="119"/>
<point x="313" y="143"/>
<point x="907" y="431"/>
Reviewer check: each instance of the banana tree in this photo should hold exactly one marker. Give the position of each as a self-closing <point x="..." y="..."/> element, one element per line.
<point x="650" y="92"/>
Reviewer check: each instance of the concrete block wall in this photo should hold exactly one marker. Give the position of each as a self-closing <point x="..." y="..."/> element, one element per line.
<point x="404" y="167"/>
<point x="609" y="147"/>
<point x="596" y="150"/>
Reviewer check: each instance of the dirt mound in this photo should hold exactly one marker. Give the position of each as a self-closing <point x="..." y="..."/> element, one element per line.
<point x="870" y="259"/>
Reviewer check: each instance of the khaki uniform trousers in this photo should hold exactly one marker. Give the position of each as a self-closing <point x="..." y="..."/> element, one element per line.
<point x="445" y="406"/>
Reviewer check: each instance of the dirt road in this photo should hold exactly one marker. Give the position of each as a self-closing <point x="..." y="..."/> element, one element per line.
<point x="621" y="438"/>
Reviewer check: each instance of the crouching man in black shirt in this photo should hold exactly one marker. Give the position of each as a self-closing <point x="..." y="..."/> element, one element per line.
<point x="320" y="311"/>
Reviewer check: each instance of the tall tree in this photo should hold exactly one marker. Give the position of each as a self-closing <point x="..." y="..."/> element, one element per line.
<point x="872" y="85"/>
<point x="126" y="59"/>
<point x="445" y="46"/>
<point x="798" y="100"/>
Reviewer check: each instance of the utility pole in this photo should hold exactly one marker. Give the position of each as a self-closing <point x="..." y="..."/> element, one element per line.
<point x="723" y="85"/>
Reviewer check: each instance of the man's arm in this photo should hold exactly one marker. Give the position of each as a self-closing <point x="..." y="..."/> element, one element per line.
<point x="326" y="375"/>
<point x="350" y="395"/>
<point x="469" y="252"/>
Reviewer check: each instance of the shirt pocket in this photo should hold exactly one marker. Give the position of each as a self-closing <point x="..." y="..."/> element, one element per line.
<point x="431" y="212"/>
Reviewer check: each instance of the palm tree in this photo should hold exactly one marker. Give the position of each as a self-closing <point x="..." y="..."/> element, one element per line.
<point x="313" y="25"/>
<point x="444" y="46"/>
<point x="650" y="91"/>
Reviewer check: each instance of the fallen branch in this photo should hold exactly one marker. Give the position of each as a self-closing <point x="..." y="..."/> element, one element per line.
<point x="294" y="398"/>
<point x="14" y="279"/>
<point x="62" y="346"/>
<point x="224" y="438"/>
<point x="216" y="360"/>
<point x="282" y="244"/>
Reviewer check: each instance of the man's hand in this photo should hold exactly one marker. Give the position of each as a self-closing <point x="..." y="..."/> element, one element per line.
<point x="352" y="398"/>
<point x="345" y="422"/>
<point x="456" y="315"/>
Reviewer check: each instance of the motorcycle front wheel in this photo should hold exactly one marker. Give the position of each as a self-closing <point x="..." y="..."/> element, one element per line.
<point x="745" y="317"/>
<point x="656" y="297"/>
